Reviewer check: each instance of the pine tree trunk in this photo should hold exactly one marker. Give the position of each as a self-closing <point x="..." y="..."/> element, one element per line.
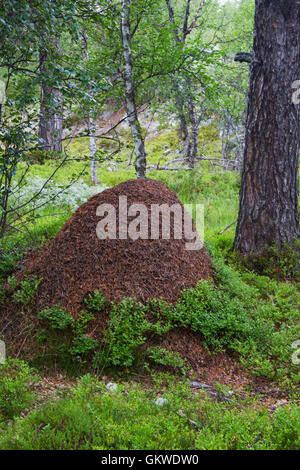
<point x="269" y="192"/>
<point x="140" y="163"/>
<point x="51" y="113"/>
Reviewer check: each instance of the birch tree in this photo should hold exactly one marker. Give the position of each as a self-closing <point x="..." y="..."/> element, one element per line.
<point x="25" y="29"/>
<point x="130" y="93"/>
<point x="91" y="120"/>
<point x="181" y="33"/>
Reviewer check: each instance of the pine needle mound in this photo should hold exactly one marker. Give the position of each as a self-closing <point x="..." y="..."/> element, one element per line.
<point x="76" y="262"/>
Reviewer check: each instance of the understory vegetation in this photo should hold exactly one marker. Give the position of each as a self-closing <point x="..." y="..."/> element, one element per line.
<point x="106" y="344"/>
<point x="91" y="416"/>
<point x="250" y="313"/>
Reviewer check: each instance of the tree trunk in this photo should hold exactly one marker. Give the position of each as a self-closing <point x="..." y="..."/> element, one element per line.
<point x="192" y="155"/>
<point x="51" y="113"/>
<point x="93" y="149"/>
<point x="140" y="164"/>
<point x="269" y="192"/>
<point x="91" y="119"/>
<point x="188" y="136"/>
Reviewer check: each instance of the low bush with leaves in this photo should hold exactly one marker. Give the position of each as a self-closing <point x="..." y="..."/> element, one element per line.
<point x="9" y="263"/>
<point x="162" y="356"/>
<point x="72" y="340"/>
<point x="281" y="263"/>
<point x="95" y="301"/>
<point x="256" y="317"/>
<point x="57" y="317"/>
<point x="82" y="344"/>
<point x="95" y="418"/>
<point x="125" y="333"/>
<point x="23" y="291"/>
<point x="16" y="378"/>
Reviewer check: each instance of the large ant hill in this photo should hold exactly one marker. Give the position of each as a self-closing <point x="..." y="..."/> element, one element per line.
<point x="77" y="262"/>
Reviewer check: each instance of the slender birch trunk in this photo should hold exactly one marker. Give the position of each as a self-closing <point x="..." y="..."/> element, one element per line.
<point x="192" y="155"/>
<point x="189" y="136"/>
<point x="140" y="164"/>
<point x="91" y="121"/>
<point x="93" y="148"/>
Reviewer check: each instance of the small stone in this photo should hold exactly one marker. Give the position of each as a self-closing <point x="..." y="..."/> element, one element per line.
<point x="213" y="394"/>
<point x="282" y="403"/>
<point x="112" y="387"/>
<point x="161" y="401"/>
<point x="199" y="385"/>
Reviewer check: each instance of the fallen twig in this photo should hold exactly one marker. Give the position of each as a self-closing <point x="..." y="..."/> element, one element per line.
<point x="15" y="228"/>
<point x="226" y="228"/>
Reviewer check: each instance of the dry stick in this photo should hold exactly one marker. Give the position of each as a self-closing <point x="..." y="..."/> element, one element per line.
<point x="24" y="341"/>
<point x="174" y="169"/>
<point x="163" y="156"/>
<point x="6" y="326"/>
<point x="226" y="228"/>
<point x="15" y="228"/>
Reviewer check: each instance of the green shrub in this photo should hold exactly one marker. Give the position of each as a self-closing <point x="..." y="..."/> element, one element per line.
<point x="23" y="291"/>
<point x="126" y="331"/>
<point x="164" y="357"/>
<point x="57" y="317"/>
<point x="9" y="263"/>
<point x="41" y="156"/>
<point x="254" y="317"/>
<point x="93" y="417"/>
<point x="83" y="344"/>
<point x="276" y="262"/>
<point x="79" y="325"/>
<point x="95" y="301"/>
<point x="250" y="430"/>
<point x="15" y="394"/>
<point x="2" y="295"/>
<point x="74" y="341"/>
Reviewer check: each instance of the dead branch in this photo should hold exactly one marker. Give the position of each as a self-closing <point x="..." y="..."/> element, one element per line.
<point x="226" y="228"/>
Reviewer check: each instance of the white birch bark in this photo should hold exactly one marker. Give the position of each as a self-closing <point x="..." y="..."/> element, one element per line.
<point x="190" y="138"/>
<point x="91" y="126"/>
<point x="93" y="148"/>
<point x="140" y="164"/>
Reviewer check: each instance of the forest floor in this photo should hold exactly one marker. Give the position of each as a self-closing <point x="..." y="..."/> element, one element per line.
<point x="225" y="371"/>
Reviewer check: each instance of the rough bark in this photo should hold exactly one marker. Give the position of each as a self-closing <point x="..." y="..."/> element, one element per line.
<point x="269" y="191"/>
<point x="93" y="148"/>
<point x="91" y="121"/>
<point x="51" y="113"/>
<point x="188" y="136"/>
<point x="131" y="109"/>
<point x="192" y="156"/>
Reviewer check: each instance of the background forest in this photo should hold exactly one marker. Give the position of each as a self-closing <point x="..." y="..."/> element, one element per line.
<point x="92" y="94"/>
